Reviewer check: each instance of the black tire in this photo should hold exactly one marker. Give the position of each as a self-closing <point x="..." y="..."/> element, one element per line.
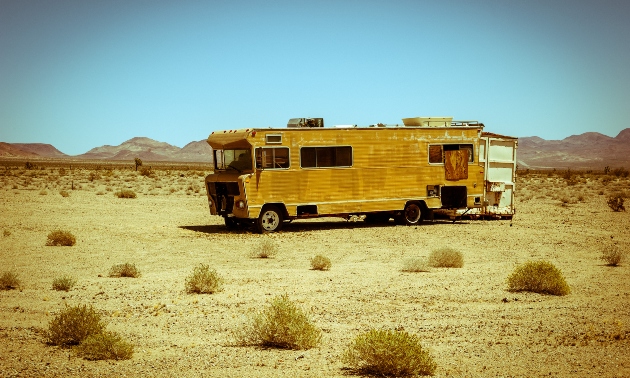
<point x="412" y="215"/>
<point x="270" y="220"/>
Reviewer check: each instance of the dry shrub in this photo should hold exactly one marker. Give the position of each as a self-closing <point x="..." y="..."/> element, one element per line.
<point x="389" y="353"/>
<point x="203" y="281"/>
<point x="615" y="201"/>
<point x="538" y="277"/>
<point x="105" y="346"/>
<point x="416" y="264"/>
<point x="64" y="283"/>
<point x="9" y="281"/>
<point x="73" y="325"/>
<point x="64" y="193"/>
<point x="43" y="192"/>
<point x="124" y="270"/>
<point x="147" y="172"/>
<point x="613" y="255"/>
<point x="61" y="238"/>
<point x="6" y="233"/>
<point x="320" y="262"/>
<point x="267" y="249"/>
<point x="281" y="325"/>
<point x="125" y="193"/>
<point x="446" y="257"/>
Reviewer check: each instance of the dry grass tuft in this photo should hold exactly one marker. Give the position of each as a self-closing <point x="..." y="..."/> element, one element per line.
<point x="105" y="346"/>
<point x="267" y="249"/>
<point x="64" y="283"/>
<point x="613" y="255"/>
<point x="9" y="281"/>
<point x="320" y="262"/>
<point x="538" y="277"/>
<point x="416" y="264"/>
<point x="389" y="353"/>
<point x="125" y="193"/>
<point x="615" y="201"/>
<point x="61" y="238"/>
<point x="124" y="270"/>
<point x="73" y="325"/>
<point x="281" y="325"/>
<point x="203" y="281"/>
<point x="446" y="257"/>
<point x="64" y="193"/>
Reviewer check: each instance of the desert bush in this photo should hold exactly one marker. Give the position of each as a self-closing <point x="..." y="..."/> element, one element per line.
<point x="416" y="264"/>
<point x="9" y="281"/>
<point x="73" y="325"/>
<point x="281" y="325"/>
<point x="28" y="165"/>
<point x="61" y="238"/>
<point x="320" y="262"/>
<point x="125" y="193"/>
<point x="93" y="176"/>
<point x="620" y="172"/>
<point x="446" y="257"/>
<point x="266" y="249"/>
<point x="64" y="283"/>
<point x="6" y="233"/>
<point x="615" y="201"/>
<point x="613" y="255"/>
<point x="389" y="353"/>
<point x="105" y="346"/>
<point x="203" y="281"/>
<point x="538" y="277"/>
<point x="147" y="172"/>
<point x="124" y="270"/>
<point x="43" y="192"/>
<point x="64" y="193"/>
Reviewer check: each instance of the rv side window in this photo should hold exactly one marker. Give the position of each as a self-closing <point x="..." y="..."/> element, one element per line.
<point x="326" y="157"/>
<point x="436" y="152"/>
<point x="272" y="157"/>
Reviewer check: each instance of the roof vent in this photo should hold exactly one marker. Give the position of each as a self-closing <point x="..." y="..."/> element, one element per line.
<point x="306" y="122"/>
<point x="428" y="121"/>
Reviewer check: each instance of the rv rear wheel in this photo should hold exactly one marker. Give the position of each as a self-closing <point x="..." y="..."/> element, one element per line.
<point x="412" y="215"/>
<point x="270" y="220"/>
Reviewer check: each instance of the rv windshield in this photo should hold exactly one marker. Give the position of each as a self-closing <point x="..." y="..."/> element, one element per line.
<point x="239" y="160"/>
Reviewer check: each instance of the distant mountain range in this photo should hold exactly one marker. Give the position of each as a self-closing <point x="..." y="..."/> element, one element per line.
<point x="144" y="148"/>
<point x="585" y="151"/>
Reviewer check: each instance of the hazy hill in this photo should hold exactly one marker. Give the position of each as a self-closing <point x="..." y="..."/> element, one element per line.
<point x="151" y="150"/>
<point x="29" y="150"/>
<point x="588" y="150"/>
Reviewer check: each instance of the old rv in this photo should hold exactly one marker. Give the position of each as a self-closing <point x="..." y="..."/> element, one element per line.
<point x="265" y="176"/>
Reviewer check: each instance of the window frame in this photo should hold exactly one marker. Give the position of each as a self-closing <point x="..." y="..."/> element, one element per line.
<point x="329" y="167"/>
<point x="471" y="155"/>
<point x="273" y="157"/>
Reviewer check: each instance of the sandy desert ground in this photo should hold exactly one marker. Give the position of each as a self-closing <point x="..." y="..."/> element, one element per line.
<point x="470" y="324"/>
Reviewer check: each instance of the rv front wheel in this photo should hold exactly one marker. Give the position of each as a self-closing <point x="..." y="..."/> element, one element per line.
<point x="412" y="214"/>
<point x="270" y="220"/>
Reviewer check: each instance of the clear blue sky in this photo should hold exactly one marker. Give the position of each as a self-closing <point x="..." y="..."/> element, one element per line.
<point x="81" y="74"/>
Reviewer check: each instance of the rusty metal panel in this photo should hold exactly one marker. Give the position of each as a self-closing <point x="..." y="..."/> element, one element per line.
<point x="456" y="165"/>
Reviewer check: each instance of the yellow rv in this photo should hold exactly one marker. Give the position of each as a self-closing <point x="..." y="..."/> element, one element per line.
<point x="265" y="176"/>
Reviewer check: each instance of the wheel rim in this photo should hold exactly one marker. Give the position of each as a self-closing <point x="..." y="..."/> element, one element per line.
<point x="270" y="220"/>
<point x="412" y="213"/>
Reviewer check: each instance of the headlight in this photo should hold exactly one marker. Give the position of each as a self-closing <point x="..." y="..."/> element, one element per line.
<point x="240" y="204"/>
